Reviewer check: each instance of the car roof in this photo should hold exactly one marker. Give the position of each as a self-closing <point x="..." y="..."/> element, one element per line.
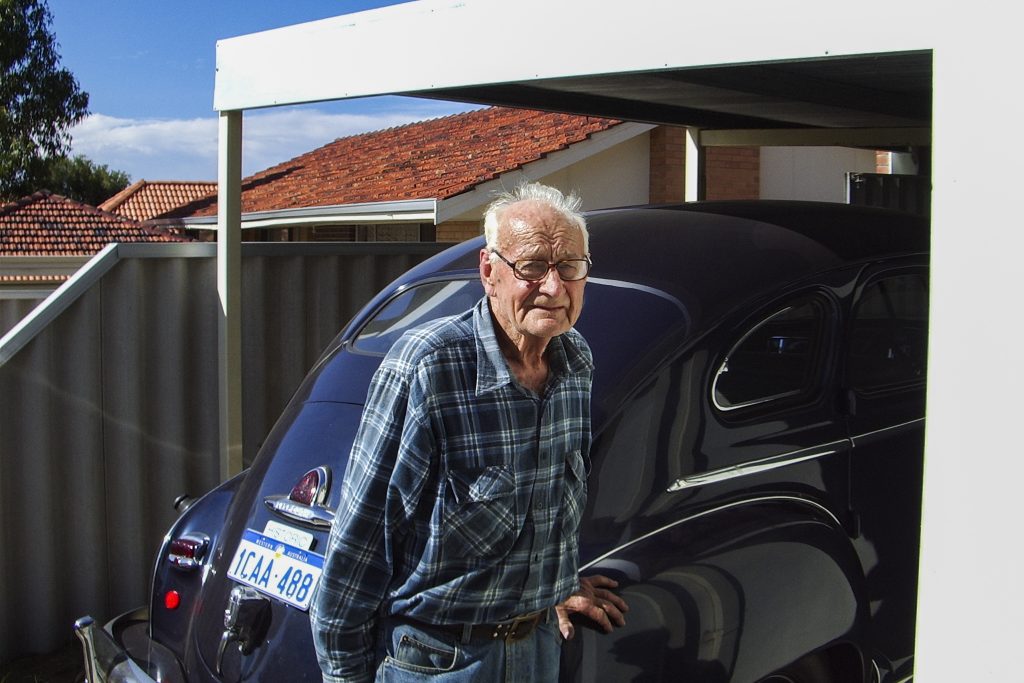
<point x="712" y="256"/>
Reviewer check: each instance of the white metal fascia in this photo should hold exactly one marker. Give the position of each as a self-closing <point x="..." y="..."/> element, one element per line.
<point x="550" y="163"/>
<point x="411" y="211"/>
<point x="277" y="67"/>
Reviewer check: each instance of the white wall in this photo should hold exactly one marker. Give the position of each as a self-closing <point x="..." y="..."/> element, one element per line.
<point x="619" y="176"/>
<point x="811" y="173"/>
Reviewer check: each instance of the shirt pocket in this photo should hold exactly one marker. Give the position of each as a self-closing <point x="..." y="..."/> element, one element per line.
<point x="480" y="515"/>
<point x="574" y="497"/>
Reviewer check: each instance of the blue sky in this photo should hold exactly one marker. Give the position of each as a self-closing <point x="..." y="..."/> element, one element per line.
<point x="148" y="67"/>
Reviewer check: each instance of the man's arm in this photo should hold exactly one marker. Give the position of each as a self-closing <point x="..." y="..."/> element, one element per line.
<point x="357" y="564"/>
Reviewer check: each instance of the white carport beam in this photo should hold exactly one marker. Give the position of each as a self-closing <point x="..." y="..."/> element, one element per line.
<point x="818" y="137"/>
<point x="229" y="286"/>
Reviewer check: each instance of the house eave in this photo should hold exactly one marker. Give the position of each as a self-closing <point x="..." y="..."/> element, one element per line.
<point x="409" y="211"/>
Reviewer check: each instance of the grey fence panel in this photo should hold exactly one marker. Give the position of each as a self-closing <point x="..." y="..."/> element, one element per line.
<point x="159" y="380"/>
<point x="13" y="310"/>
<point x="51" y="482"/>
<point x="108" y="410"/>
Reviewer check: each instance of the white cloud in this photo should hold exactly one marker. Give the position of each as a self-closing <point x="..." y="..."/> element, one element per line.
<point x="186" y="149"/>
<point x="150" y="148"/>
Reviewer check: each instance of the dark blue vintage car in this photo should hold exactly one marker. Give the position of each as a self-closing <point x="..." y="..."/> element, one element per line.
<point x="758" y="419"/>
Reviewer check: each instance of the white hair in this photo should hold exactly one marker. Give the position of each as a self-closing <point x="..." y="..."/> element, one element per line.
<point x="567" y="206"/>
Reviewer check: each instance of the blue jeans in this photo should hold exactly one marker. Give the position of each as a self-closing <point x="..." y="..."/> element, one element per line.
<point x="415" y="653"/>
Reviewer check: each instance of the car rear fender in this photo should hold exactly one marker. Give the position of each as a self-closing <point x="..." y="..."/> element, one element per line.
<point x="730" y="593"/>
<point x="202" y="518"/>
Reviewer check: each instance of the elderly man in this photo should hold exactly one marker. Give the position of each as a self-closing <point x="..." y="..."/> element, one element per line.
<point x="454" y="553"/>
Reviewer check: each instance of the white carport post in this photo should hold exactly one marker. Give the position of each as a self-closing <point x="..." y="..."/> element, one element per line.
<point x="229" y="285"/>
<point x="693" y="166"/>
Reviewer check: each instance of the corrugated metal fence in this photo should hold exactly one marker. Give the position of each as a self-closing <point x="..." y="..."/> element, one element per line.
<point x="108" y="409"/>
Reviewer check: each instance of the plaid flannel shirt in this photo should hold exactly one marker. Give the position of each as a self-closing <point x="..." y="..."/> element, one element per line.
<point x="463" y="494"/>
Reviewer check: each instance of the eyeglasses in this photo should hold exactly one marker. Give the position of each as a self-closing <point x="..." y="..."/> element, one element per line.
<point x="534" y="270"/>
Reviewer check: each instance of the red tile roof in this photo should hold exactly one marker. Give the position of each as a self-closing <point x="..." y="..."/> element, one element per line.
<point x="434" y="159"/>
<point x="46" y="224"/>
<point x="152" y="199"/>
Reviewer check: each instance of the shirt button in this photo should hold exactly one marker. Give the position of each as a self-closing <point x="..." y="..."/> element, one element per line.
<point x="536" y="558"/>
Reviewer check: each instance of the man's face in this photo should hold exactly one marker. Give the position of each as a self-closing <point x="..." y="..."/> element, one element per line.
<point x="532" y="312"/>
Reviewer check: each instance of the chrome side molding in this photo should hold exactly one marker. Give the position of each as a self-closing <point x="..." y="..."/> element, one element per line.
<point x="756" y="466"/>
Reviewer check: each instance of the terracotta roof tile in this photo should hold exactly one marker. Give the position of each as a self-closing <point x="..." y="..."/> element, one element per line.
<point x="434" y="159"/>
<point x="152" y="199"/>
<point x="46" y="224"/>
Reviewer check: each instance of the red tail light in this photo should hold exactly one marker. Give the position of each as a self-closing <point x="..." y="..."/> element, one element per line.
<point x="172" y="599"/>
<point x="312" y="488"/>
<point x="188" y="551"/>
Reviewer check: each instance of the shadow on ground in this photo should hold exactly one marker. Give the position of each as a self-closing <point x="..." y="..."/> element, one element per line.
<point x="62" y="666"/>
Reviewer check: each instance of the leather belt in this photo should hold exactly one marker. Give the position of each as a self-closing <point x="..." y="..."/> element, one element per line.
<point x="510" y="631"/>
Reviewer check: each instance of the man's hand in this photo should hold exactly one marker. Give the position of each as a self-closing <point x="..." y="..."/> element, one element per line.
<point x="594" y="601"/>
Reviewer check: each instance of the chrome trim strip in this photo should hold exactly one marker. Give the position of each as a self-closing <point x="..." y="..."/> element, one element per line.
<point x="901" y="425"/>
<point x="748" y="501"/>
<point x="755" y="466"/>
<point x="623" y="284"/>
<point x="318" y="516"/>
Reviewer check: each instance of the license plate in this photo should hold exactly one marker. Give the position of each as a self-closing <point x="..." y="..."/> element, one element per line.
<point x="276" y="568"/>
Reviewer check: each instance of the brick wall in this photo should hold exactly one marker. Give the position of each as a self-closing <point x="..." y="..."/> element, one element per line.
<point x="732" y="172"/>
<point x="458" y="231"/>
<point x="883" y="162"/>
<point x="668" y="164"/>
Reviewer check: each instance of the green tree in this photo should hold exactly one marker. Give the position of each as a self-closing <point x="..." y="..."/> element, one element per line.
<point x="39" y="100"/>
<point x="81" y="179"/>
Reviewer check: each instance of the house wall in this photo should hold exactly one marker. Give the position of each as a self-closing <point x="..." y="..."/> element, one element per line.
<point x="459" y="231"/>
<point x="732" y="172"/>
<point x="619" y="176"/>
<point x="668" y="164"/>
<point x="811" y="173"/>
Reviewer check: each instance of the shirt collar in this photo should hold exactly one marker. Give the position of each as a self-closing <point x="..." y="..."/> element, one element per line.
<point x="492" y="371"/>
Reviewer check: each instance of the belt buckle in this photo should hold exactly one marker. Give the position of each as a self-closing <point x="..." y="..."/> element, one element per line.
<point x="518" y="628"/>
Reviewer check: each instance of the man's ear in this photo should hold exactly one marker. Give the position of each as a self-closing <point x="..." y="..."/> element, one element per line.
<point x="486" y="272"/>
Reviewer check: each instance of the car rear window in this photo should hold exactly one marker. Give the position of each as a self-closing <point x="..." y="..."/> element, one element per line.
<point x="413" y="307"/>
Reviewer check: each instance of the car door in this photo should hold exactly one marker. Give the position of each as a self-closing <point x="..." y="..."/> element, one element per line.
<point x="717" y="502"/>
<point x="884" y="379"/>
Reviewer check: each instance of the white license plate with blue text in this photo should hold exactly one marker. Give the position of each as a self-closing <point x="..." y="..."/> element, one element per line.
<point x="276" y="568"/>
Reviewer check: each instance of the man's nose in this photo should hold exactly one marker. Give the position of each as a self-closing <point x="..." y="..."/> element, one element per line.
<point x="552" y="283"/>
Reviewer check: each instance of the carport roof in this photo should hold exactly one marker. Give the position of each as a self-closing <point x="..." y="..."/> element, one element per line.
<point x="833" y="92"/>
<point x="863" y="82"/>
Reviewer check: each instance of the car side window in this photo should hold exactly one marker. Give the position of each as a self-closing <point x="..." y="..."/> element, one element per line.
<point x="889" y="333"/>
<point x="779" y="357"/>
